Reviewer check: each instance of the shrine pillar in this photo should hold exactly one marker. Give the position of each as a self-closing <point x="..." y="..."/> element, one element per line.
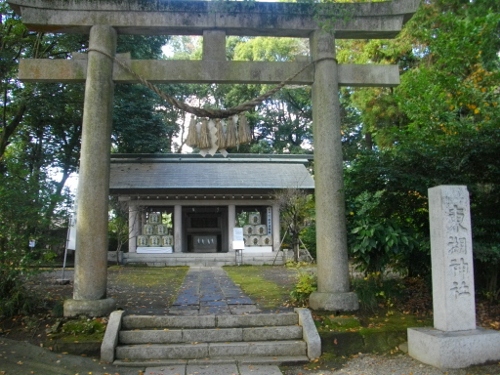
<point x="275" y="217"/>
<point x="134" y="227"/>
<point x="231" y="223"/>
<point x="178" y="228"/>
<point x="333" y="292"/>
<point x="90" y="281"/>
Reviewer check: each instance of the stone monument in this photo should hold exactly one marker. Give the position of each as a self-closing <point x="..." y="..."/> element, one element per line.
<point x="455" y="341"/>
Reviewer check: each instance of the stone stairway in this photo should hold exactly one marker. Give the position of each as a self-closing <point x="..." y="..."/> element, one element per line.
<point x="140" y="340"/>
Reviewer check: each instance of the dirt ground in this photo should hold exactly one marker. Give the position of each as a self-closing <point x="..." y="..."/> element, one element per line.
<point x="129" y="286"/>
<point x="142" y="290"/>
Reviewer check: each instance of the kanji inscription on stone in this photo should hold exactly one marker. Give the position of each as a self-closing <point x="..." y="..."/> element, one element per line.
<point x="451" y="253"/>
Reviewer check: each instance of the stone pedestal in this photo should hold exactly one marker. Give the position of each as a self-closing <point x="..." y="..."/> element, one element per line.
<point x="101" y="307"/>
<point x="455" y="349"/>
<point x="454" y="342"/>
<point x="342" y="301"/>
<point x="333" y="269"/>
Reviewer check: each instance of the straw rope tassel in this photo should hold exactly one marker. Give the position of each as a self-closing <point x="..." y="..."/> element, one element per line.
<point x="220" y="133"/>
<point x="204" y="140"/>
<point x="244" y="130"/>
<point x="231" y="140"/>
<point x="192" y="137"/>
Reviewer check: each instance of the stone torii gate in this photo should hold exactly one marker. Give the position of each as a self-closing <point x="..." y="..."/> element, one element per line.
<point x="104" y="19"/>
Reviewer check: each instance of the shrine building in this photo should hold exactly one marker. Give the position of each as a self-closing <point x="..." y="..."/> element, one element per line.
<point x="183" y="208"/>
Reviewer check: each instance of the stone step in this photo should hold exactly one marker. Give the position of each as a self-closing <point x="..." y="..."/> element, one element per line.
<point x="257" y="360"/>
<point x="211" y="350"/>
<point x="131" y="322"/>
<point x="199" y="259"/>
<point x="168" y="336"/>
<point x="254" y="338"/>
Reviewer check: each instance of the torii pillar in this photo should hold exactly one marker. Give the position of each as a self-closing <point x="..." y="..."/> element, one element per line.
<point x="331" y="240"/>
<point x="90" y="281"/>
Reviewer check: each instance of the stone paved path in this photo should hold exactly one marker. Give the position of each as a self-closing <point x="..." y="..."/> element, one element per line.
<point x="209" y="290"/>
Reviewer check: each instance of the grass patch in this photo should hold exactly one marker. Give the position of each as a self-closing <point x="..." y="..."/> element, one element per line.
<point x="83" y="330"/>
<point x="329" y="323"/>
<point x="78" y="330"/>
<point x="145" y="281"/>
<point x="393" y="321"/>
<point x="147" y="277"/>
<point x="266" y="293"/>
<point x="388" y="322"/>
<point x="348" y="335"/>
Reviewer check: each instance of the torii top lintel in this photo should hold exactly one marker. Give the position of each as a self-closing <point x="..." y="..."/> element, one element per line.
<point x="171" y="17"/>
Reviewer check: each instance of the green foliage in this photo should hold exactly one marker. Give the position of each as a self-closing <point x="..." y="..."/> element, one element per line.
<point x="268" y="49"/>
<point x="25" y="214"/>
<point x="14" y="297"/>
<point x="40" y="130"/>
<point x="308" y="237"/>
<point x="137" y="126"/>
<point x="296" y="214"/>
<point x="306" y="284"/>
<point x="83" y="329"/>
<point x="118" y="232"/>
<point x="377" y="241"/>
<point x="378" y="294"/>
<point x="487" y="270"/>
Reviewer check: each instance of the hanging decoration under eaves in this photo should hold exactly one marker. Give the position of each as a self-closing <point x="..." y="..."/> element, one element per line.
<point x="212" y="135"/>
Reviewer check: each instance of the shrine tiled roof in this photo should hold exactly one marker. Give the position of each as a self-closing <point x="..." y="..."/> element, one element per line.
<point x="176" y="173"/>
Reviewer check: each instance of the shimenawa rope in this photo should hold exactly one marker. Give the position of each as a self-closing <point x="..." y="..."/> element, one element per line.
<point x="204" y="112"/>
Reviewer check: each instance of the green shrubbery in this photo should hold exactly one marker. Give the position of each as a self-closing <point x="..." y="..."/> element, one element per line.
<point x="410" y="295"/>
<point x="306" y="284"/>
<point x="376" y="294"/>
<point x="14" y="297"/>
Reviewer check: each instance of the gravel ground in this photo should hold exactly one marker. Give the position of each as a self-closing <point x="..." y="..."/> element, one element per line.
<point x="366" y="364"/>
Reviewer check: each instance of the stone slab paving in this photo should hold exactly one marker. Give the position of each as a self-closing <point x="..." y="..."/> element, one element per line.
<point x="229" y="369"/>
<point x="219" y="369"/>
<point x="259" y="370"/>
<point x="166" y="370"/>
<point x="209" y="290"/>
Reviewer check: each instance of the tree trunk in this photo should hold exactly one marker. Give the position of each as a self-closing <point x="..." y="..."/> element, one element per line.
<point x="10" y="128"/>
<point x="295" y="246"/>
